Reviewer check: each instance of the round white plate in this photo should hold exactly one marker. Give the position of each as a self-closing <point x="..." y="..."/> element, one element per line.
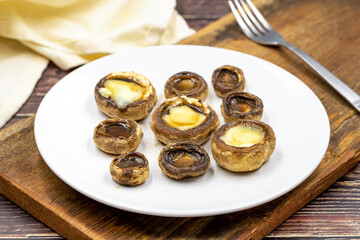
<point x="68" y="114"/>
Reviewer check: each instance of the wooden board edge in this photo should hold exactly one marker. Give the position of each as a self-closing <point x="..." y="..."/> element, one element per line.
<point x="318" y="188"/>
<point x="17" y="127"/>
<point x="40" y="211"/>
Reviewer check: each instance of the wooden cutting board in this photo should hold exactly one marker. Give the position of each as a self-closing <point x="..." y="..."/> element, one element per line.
<point x="326" y="29"/>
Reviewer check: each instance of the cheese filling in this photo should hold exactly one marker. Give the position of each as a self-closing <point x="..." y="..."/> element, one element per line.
<point x="183" y="117"/>
<point x="122" y="92"/>
<point x="242" y="136"/>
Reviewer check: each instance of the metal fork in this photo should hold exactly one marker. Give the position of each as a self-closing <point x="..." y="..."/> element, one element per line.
<point x="255" y="27"/>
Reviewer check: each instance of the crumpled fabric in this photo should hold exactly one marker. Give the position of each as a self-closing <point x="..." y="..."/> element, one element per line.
<point x="71" y="33"/>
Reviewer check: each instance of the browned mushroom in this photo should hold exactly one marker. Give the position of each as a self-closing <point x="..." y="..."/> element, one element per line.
<point x="227" y="79"/>
<point x="127" y="95"/>
<point x="186" y="83"/>
<point x="130" y="169"/>
<point x="183" y="160"/>
<point x="116" y="136"/>
<point x="182" y="119"/>
<point x="241" y="105"/>
<point x="243" y="145"/>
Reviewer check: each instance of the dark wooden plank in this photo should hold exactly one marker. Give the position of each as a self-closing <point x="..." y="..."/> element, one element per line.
<point x="11" y="227"/>
<point x="198" y="24"/>
<point x="202" y="9"/>
<point x="335" y="213"/>
<point x="200" y="13"/>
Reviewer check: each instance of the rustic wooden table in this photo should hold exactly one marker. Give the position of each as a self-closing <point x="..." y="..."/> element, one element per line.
<point x="333" y="214"/>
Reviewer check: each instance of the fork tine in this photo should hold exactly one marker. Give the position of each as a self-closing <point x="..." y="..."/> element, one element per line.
<point x="240" y="21"/>
<point x="252" y="17"/>
<point x="259" y="16"/>
<point x="246" y="18"/>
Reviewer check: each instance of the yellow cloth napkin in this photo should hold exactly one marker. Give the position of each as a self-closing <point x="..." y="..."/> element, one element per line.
<point x="74" y="32"/>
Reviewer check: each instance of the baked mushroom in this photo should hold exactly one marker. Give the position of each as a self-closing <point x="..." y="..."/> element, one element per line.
<point x="116" y="136"/>
<point x="127" y="95"/>
<point x="241" y="105"/>
<point x="243" y="146"/>
<point x="183" y="160"/>
<point x="182" y="119"/>
<point x="227" y="79"/>
<point x="130" y="169"/>
<point x="186" y="83"/>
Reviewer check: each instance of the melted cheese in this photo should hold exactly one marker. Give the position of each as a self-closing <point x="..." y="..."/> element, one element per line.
<point x="183" y="118"/>
<point x="242" y="136"/>
<point x="122" y="92"/>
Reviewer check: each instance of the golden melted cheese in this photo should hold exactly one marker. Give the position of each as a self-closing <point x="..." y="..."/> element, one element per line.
<point x="183" y="117"/>
<point x="122" y="92"/>
<point x="242" y="136"/>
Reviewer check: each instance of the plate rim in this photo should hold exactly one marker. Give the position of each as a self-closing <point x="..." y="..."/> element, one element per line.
<point x="180" y="213"/>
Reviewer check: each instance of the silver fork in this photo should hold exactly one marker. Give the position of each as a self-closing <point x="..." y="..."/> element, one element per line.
<point x="255" y="27"/>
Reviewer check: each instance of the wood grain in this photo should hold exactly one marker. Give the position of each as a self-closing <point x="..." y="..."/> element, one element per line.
<point x="75" y="216"/>
<point x="297" y="21"/>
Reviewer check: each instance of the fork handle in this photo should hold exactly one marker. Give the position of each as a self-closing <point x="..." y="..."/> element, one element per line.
<point x="349" y="95"/>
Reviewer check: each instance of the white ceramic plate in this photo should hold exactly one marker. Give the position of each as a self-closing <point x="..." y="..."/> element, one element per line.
<point x="68" y="115"/>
